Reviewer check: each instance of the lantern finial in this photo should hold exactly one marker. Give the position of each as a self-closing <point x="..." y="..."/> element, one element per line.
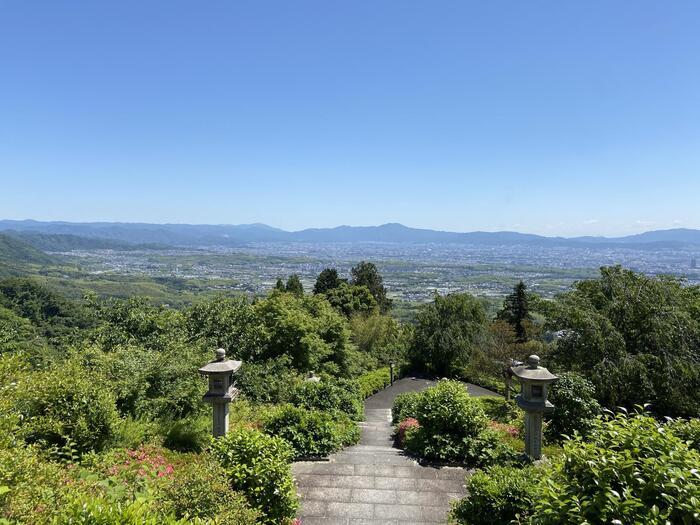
<point x="220" y="354"/>
<point x="533" y="361"/>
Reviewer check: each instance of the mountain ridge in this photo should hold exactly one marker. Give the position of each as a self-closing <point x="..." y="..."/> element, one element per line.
<point x="232" y="235"/>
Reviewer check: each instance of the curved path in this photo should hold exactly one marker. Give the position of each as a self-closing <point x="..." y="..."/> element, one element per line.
<point x="373" y="483"/>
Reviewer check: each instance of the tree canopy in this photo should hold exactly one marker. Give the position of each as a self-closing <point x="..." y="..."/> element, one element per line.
<point x="367" y="274"/>
<point x="447" y="332"/>
<point x="327" y="280"/>
<point x="516" y="311"/>
<point x="637" y="338"/>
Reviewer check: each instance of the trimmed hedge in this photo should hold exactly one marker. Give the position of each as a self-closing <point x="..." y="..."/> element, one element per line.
<point x="373" y="382"/>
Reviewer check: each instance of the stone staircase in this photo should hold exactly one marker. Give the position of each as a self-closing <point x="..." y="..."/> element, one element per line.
<point x="373" y="483"/>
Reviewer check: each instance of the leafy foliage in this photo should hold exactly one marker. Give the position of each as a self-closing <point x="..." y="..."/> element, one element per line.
<point x="687" y="430"/>
<point x="374" y="381"/>
<point x="33" y="486"/>
<point x="447" y="331"/>
<point x="226" y="322"/>
<point x="516" y="311"/>
<point x="199" y="488"/>
<point x="258" y="466"/>
<point x="294" y="285"/>
<point x="351" y="299"/>
<point x="366" y="274"/>
<point x="269" y="381"/>
<point x="453" y="427"/>
<point x="54" y="317"/>
<point x="330" y="395"/>
<point x="575" y="406"/>
<point x="312" y="434"/>
<point x="498" y="496"/>
<point x="405" y="406"/>
<point x="66" y="404"/>
<point x="327" y="280"/>
<point x="498" y="409"/>
<point x="628" y="470"/>
<point x="637" y="338"/>
<point x="380" y="337"/>
<point x="307" y="329"/>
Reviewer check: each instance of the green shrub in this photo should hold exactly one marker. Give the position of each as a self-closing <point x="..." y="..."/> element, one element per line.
<point x="271" y="381"/>
<point x="575" y="406"/>
<point x="33" y="487"/>
<point x="259" y="467"/>
<point x="627" y="470"/>
<point x="498" y="496"/>
<point x="498" y="409"/>
<point x="453" y="427"/>
<point x="405" y="406"/>
<point x="199" y="488"/>
<point x="330" y="395"/>
<point x="311" y="433"/>
<point x="66" y="404"/>
<point x="187" y="435"/>
<point x="687" y="430"/>
<point x="373" y="382"/>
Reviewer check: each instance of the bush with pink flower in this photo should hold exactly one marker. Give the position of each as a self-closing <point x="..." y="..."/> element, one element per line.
<point x="404" y="427"/>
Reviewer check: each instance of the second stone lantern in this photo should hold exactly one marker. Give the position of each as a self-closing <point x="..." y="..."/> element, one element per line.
<point x="221" y="391"/>
<point x="534" y="384"/>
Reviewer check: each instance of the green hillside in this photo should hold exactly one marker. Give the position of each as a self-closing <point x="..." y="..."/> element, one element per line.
<point x="59" y="242"/>
<point x="16" y="256"/>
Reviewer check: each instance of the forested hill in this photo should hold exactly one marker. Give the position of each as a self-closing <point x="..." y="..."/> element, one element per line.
<point x="60" y="242"/>
<point x="14" y="253"/>
<point x="231" y="235"/>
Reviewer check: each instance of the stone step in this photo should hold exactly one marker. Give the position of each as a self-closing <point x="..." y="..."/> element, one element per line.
<point x="414" y="471"/>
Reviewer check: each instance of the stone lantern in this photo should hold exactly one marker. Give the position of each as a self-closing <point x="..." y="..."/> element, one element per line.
<point x="534" y="384"/>
<point x="221" y="389"/>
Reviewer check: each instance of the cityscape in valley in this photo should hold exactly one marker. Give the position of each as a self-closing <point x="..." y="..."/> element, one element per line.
<point x="416" y="264"/>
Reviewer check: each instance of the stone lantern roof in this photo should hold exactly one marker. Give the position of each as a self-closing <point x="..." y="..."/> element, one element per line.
<point x="220" y="365"/>
<point x="532" y="371"/>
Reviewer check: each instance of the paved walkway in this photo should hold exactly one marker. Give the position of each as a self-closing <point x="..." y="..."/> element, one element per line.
<point x="373" y="483"/>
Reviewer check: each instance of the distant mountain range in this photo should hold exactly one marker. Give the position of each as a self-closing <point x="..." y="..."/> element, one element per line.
<point x="53" y="236"/>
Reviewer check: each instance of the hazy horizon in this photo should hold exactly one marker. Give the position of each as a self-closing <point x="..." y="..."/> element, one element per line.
<point x="264" y="224"/>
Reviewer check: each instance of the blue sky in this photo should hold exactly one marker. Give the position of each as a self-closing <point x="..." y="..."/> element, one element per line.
<point x="547" y="117"/>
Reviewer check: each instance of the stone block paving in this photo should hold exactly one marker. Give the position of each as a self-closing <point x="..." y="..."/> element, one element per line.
<point x="373" y="483"/>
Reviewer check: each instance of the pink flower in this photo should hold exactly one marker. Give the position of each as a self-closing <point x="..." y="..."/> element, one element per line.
<point x="406" y="425"/>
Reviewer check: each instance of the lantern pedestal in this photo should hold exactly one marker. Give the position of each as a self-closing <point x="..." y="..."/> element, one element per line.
<point x="220" y="419"/>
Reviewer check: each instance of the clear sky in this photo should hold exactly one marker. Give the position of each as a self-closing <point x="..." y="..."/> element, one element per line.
<point x="547" y="117"/>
